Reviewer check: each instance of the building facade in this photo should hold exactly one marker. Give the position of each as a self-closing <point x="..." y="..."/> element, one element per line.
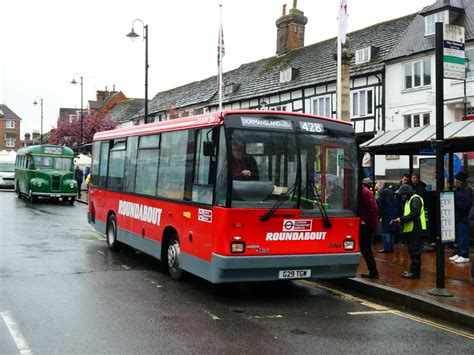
<point x="10" y="124"/>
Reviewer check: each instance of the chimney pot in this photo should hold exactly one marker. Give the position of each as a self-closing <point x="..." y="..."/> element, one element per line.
<point x="283" y="13"/>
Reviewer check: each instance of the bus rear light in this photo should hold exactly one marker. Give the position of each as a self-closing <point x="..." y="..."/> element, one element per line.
<point x="350" y="224"/>
<point x="237" y="225"/>
<point x="349" y="245"/>
<point x="237" y="247"/>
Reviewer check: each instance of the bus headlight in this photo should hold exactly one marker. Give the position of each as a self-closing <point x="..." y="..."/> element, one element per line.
<point x="72" y="185"/>
<point x="237" y="247"/>
<point x="39" y="183"/>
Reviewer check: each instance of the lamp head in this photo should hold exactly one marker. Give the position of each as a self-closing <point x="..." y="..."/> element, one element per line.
<point x="73" y="81"/>
<point x="35" y="103"/>
<point x="133" y="35"/>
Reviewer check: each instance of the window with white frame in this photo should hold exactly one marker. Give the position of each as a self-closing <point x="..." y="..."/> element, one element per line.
<point x="362" y="103"/>
<point x="430" y="21"/>
<point x="362" y="55"/>
<point x="10" y="142"/>
<point x="417" y="74"/>
<point x="286" y="75"/>
<point x="10" y="124"/>
<point x="278" y="108"/>
<point x="322" y="106"/>
<point x="416" y="120"/>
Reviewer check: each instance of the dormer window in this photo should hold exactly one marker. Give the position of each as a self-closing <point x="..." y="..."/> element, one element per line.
<point x="362" y="55"/>
<point x="286" y="75"/>
<point x="430" y="21"/>
<point x="230" y="88"/>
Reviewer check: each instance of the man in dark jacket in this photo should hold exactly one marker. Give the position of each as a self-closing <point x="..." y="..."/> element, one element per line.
<point x="462" y="205"/>
<point x="413" y="224"/>
<point x="388" y="211"/>
<point x="368" y="212"/>
<point x="78" y="176"/>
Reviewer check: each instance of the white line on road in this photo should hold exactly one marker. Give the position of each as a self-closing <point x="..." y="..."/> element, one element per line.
<point x="18" y="338"/>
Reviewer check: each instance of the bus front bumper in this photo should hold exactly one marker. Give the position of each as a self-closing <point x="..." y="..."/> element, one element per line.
<point x="267" y="268"/>
<point x="53" y="194"/>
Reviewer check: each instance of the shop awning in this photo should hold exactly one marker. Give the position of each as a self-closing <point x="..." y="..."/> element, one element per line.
<point x="458" y="136"/>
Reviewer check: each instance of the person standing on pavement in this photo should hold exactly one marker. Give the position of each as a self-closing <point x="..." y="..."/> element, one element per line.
<point x="388" y="211"/>
<point x="419" y="188"/>
<point x="462" y="206"/>
<point x="78" y="176"/>
<point x="368" y="212"/>
<point x="413" y="223"/>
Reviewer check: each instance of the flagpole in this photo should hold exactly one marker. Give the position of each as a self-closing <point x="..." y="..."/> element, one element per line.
<point x="220" y="81"/>
<point x="339" y="66"/>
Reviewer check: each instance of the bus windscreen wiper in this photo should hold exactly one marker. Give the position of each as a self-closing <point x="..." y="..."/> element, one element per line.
<point x="277" y="204"/>
<point x="319" y="203"/>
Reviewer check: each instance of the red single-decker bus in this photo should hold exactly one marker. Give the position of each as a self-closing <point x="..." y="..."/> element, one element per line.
<point x="232" y="196"/>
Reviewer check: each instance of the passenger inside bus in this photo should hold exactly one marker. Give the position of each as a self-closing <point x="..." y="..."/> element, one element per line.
<point x="244" y="165"/>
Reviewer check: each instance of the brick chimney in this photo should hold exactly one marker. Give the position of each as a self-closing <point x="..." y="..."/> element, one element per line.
<point x="290" y="29"/>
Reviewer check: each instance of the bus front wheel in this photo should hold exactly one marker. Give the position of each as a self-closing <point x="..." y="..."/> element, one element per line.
<point x="18" y="193"/>
<point x="112" y="241"/>
<point x="174" y="261"/>
<point x="32" y="198"/>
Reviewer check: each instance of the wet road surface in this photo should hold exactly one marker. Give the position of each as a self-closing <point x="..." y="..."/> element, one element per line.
<point x="63" y="292"/>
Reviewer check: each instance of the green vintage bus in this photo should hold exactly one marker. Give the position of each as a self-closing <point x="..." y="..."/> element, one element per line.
<point x="45" y="171"/>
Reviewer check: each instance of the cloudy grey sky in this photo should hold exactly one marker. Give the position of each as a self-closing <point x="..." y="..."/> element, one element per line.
<point x="43" y="43"/>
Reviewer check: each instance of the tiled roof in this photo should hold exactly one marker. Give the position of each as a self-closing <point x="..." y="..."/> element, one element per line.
<point x="315" y="64"/>
<point x="7" y="113"/>
<point x="125" y="110"/>
<point x="414" y="39"/>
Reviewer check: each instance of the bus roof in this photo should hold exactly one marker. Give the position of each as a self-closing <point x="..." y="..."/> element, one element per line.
<point x="208" y="119"/>
<point x="46" y="149"/>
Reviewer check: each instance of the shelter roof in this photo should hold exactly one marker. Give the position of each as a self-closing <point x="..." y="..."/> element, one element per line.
<point x="458" y="137"/>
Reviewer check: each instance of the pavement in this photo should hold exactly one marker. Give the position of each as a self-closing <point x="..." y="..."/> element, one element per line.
<point x="413" y="294"/>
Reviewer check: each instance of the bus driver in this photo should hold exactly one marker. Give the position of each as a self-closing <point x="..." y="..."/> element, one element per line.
<point x="244" y="166"/>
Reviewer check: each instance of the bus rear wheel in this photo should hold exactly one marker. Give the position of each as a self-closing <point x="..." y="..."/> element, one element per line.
<point x="174" y="260"/>
<point x="112" y="241"/>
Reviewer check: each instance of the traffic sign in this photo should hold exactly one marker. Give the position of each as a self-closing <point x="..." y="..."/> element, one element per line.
<point x="453" y="52"/>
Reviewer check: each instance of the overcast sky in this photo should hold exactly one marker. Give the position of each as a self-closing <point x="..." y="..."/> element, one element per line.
<point x="43" y="43"/>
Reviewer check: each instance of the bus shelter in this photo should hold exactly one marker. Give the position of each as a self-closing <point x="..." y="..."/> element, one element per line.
<point x="458" y="138"/>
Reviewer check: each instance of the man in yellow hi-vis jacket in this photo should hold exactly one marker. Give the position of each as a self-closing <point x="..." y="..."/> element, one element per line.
<point x="413" y="224"/>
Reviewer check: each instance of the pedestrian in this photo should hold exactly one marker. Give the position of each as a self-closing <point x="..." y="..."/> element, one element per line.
<point x="413" y="223"/>
<point x="405" y="180"/>
<point x="462" y="206"/>
<point x="78" y="176"/>
<point x="368" y="212"/>
<point x="388" y="211"/>
<point x="87" y="171"/>
<point x="367" y="165"/>
<point x="419" y="188"/>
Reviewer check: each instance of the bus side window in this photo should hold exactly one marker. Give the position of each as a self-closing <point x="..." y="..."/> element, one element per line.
<point x="104" y="160"/>
<point x="131" y="163"/>
<point x="116" y="168"/>
<point x="201" y="183"/>
<point x="95" y="164"/>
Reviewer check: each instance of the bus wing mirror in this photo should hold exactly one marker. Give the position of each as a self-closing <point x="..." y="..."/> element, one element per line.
<point x="208" y="148"/>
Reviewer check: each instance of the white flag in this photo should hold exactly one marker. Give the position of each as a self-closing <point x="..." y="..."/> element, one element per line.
<point x="220" y="44"/>
<point x="342" y="21"/>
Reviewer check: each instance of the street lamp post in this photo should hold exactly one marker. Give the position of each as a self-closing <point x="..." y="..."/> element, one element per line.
<point x="73" y="81"/>
<point x="41" y="103"/>
<point x="133" y="35"/>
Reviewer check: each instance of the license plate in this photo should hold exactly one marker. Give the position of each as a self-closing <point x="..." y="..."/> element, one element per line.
<point x="294" y="274"/>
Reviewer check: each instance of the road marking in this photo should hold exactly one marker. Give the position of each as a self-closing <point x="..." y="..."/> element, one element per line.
<point x="264" y="317"/>
<point x="213" y="316"/>
<point x="370" y="312"/>
<point x="18" y="338"/>
<point x="100" y="252"/>
<point x="125" y="267"/>
<point x="378" y="309"/>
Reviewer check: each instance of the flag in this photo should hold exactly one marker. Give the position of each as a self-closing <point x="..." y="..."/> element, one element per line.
<point x="342" y="20"/>
<point x="220" y="44"/>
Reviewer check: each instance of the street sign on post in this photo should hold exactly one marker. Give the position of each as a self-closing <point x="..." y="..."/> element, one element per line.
<point x="453" y="52"/>
<point x="446" y="213"/>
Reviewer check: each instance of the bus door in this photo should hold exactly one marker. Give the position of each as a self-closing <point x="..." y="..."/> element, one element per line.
<point x="198" y="220"/>
<point x="334" y="178"/>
